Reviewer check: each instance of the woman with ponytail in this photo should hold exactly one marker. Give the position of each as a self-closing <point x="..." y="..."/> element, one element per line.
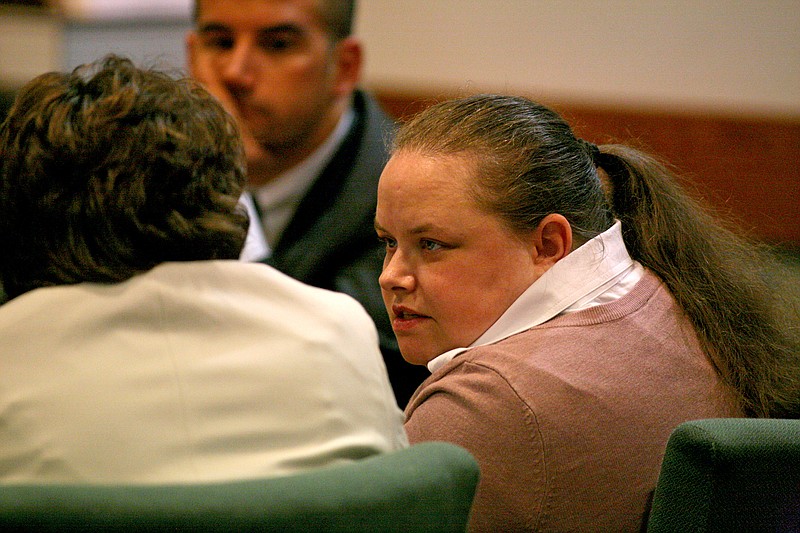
<point x="574" y="306"/>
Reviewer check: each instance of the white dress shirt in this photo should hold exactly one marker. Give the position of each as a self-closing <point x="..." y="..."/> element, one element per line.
<point x="256" y="247"/>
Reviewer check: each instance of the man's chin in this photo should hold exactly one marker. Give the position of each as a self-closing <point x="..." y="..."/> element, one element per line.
<point x="262" y="167"/>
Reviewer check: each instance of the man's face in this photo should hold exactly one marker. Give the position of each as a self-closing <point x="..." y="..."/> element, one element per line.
<point x="275" y="67"/>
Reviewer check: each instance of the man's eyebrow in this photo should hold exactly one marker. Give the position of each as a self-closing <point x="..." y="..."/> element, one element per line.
<point x="211" y="27"/>
<point x="282" y="28"/>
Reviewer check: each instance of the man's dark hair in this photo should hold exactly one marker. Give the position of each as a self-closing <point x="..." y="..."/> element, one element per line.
<point x="339" y="16"/>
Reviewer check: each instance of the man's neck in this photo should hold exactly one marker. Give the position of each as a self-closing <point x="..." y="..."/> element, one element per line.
<point x="278" y="199"/>
<point x="268" y="167"/>
<point x="276" y="162"/>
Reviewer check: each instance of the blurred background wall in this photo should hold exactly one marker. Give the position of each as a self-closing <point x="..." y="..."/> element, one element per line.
<point x="711" y="85"/>
<point x="738" y="56"/>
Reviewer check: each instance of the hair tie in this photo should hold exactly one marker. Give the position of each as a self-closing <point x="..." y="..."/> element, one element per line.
<point x="592" y="148"/>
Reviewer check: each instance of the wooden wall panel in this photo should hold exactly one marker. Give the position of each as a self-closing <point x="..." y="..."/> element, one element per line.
<point x="746" y="169"/>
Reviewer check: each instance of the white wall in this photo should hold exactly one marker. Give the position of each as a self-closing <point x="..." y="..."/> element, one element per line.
<point x="738" y="56"/>
<point x="33" y="41"/>
<point x="733" y="56"/>
<point x="29" y="45"/>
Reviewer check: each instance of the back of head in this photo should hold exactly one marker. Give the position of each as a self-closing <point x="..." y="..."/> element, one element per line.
<point x="110" y="170"/>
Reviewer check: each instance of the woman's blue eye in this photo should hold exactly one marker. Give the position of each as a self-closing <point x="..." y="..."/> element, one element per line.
<point x="430" y="245"/>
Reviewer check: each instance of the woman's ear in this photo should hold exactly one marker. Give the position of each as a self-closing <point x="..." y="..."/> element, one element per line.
<point x="190" y="42"/>
<point x="553" y="241"/>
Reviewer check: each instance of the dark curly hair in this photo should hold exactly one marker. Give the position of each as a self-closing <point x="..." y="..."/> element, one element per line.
<point x="110" y="170"/>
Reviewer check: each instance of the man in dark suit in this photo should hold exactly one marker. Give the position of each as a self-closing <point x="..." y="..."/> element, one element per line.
<point x="288" y="71"/>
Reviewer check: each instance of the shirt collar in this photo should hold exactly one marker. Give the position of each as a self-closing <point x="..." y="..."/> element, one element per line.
<point x="597" y="265"/>
<point x="256" y="247"/>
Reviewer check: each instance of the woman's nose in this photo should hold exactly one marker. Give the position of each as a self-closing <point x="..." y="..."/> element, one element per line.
<point x="396" y="274"/>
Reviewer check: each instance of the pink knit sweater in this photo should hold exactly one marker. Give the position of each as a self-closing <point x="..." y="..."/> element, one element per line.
<point x="569" y="419"/>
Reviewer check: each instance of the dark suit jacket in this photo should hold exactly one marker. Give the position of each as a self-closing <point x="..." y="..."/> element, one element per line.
<point x="331" y="243"/>
<point x="6" y="100"/>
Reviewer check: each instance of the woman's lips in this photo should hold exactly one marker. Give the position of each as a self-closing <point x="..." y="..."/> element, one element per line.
<point x="406" y="319"/>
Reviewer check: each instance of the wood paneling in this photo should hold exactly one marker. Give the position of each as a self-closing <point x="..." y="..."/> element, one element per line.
<point x="746" y="169"/>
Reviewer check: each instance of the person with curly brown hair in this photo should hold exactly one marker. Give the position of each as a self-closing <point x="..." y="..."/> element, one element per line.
<point x="136" y="347"/>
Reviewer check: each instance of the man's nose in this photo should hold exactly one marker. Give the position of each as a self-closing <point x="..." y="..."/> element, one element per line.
<point x="239" y="71"/>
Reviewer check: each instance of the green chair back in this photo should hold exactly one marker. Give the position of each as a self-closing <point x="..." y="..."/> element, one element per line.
<point x="427" y="487"/>
<point x="729" y="475"/>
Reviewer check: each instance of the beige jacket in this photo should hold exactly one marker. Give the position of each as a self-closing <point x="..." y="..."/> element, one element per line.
<point x="190" y="372"/>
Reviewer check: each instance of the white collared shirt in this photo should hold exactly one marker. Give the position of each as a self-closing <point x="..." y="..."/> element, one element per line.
<point x="256" y="247"/>
<point x="596" y="273"/>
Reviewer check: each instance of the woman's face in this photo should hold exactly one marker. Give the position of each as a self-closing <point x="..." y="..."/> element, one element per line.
<point x="451" y="269"/>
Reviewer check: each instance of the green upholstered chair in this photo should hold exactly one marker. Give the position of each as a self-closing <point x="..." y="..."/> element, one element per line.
<point x="729" y="475"/>
<point x="427" y="487"/>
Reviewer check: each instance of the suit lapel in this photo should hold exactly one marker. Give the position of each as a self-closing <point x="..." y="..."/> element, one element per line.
<point x="334" y="220"/>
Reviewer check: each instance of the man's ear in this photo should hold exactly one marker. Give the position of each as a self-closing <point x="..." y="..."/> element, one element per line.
<point x="553" y="241"/>
<point x="190" y="42"/>
<point x="349" y="58"/>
